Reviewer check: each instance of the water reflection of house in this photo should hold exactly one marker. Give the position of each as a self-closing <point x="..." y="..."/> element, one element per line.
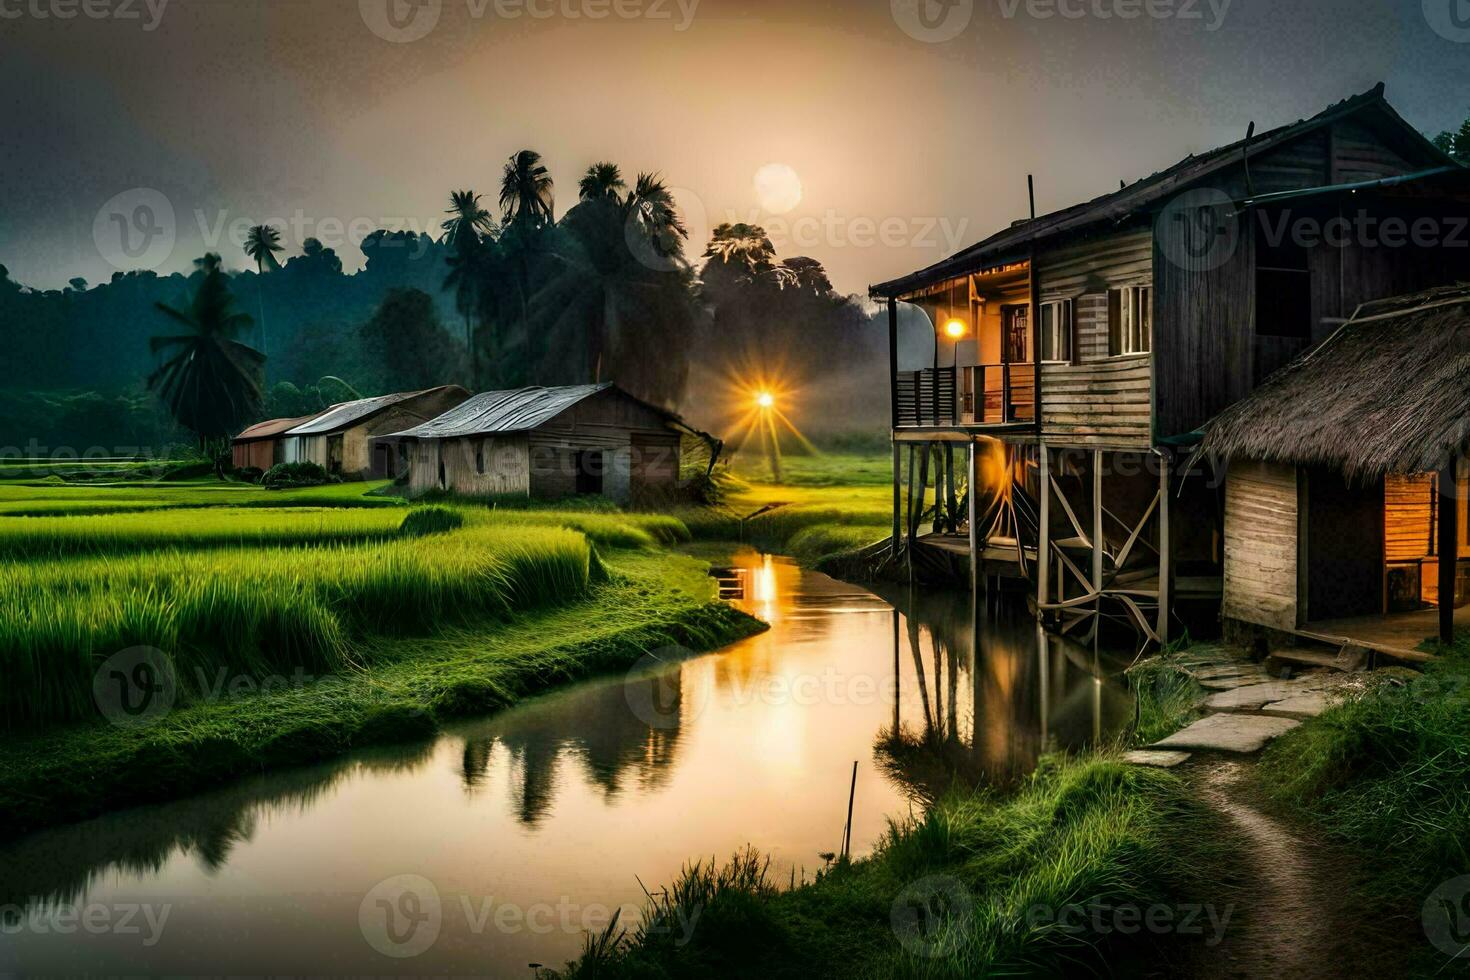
<point x="614" y="731"/>
<point x="992" y="697"/>
<point x="1077" y="354"/>
<point x="1346" y="495"/>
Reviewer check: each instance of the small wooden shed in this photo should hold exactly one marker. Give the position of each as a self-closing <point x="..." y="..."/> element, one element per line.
<point x="546" y="443"/>
<point x="263" y="445"/>
<point x="340" y="439"/>
<point x="1346" y="483"/>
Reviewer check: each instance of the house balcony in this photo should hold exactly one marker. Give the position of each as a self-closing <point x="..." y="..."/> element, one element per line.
<point x="975" y="399"/>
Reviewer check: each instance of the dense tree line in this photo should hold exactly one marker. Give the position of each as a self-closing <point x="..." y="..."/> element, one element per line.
<point x="517" y="297"/>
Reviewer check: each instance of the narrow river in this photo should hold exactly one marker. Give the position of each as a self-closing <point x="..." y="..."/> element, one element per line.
<point x="500" y="843"/>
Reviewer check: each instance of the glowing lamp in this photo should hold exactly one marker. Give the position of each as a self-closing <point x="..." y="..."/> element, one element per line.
<point x="765" y="399"/>
<point x="955" y="329"/>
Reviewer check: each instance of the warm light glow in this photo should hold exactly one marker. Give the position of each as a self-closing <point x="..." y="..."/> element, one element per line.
<point x="955" y="328"/>
<point x="765" y="399"/>
<point x="778" y="188"/>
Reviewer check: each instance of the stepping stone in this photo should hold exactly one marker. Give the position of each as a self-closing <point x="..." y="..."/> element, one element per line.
<point x="1234" y="683"/>
<point x="1302" y="706"/>
<point x="1252" y="697"/>
<point x="1228" y="733"/>
<point x="1227" y="671"/>
<point x="1159" y="760"/>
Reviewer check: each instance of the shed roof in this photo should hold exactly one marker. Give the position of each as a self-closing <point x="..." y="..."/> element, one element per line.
<point x="520" y="410"/>
<point x="269" y="430"/>
<point x="348" y="414"/>
<point x="1014" y="243"/>
<point x="1388" y="393"/>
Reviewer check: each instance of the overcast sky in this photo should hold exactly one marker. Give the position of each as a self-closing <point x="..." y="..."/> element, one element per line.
<point x="911" y="136"/>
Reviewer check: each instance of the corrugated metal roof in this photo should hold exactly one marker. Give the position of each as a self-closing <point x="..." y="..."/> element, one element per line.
<point x="266" y="430"/>
<point x="348" y="414"/>
<point x="503" y="411"/>
<point x="1014" y="243"/>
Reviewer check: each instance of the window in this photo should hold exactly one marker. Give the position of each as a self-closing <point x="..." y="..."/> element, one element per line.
<point x="1283" y="282"/>
<point x="1130" y="320"/>
<point x="1056" y="331"/>
<point x="480" y="457"/>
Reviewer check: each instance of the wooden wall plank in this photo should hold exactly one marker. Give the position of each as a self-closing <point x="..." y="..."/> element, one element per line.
<point x="1261" y="545"/>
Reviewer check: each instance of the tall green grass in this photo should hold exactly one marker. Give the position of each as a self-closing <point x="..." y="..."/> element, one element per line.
<point x="43" y="537"/>
<point x="1083" y="833"/>
<point x="262" y="610"/>
<point x="1385" y="772"/>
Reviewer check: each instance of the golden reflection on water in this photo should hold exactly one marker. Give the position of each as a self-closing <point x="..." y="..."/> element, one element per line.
<point x="578" y="795"/>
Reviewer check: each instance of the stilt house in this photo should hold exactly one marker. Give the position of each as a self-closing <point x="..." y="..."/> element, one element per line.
<point x="1077" y="354"/>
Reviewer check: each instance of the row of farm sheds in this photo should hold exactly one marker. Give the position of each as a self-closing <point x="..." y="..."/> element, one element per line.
<point x="541" y="442"/>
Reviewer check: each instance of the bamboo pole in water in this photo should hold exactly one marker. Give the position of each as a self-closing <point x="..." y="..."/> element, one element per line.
<point x="847" y="829"/>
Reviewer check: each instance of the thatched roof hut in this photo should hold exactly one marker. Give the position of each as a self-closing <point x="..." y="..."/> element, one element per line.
<point x="1388" y="394"/>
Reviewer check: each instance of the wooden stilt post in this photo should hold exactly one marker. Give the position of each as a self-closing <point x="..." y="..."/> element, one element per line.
<point x="897" y="499"/>
<point x="1097" y="533"/>
<point x="973" y="461"/>
<point x="1043" y="546"/>
<point x="952" y="505"/>
<point x="924" y="460"/>
<point x="1166" y="553"/>
<point x="1449" y="549"/>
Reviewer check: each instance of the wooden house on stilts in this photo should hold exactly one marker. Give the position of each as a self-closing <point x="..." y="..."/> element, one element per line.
<point x="1078" y="355"/>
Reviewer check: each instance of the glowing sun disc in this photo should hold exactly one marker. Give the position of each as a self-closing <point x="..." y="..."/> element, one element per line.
<point x="777" y="188"/>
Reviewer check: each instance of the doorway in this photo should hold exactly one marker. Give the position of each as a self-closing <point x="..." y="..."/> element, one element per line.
<point x="591" y="466"/>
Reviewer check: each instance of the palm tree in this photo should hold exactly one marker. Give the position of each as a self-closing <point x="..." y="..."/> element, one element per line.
<point x="651" y="209"/>
<point x="526" y="191"/>
<point x="262" y="243"/>
<point x="602" y="306"/>
<point x="210" y="382"/>
<point x="466" y="229"/>
<point x="466" y="218"/>
<point x="602" y="180"/>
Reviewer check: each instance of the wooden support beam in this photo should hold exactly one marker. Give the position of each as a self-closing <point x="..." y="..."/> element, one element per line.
<point x="974" y="518"/>
<point x="1449" y="549"/>
<point x="893" y="360"/>
<point x="1043" y="550"/>
<point x="1166" y="553"/>
<point x="897" y="499"/>
<point x="1098" y="541"/>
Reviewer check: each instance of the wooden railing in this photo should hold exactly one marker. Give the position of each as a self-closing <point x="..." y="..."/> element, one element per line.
<point x="984" y="394"/>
